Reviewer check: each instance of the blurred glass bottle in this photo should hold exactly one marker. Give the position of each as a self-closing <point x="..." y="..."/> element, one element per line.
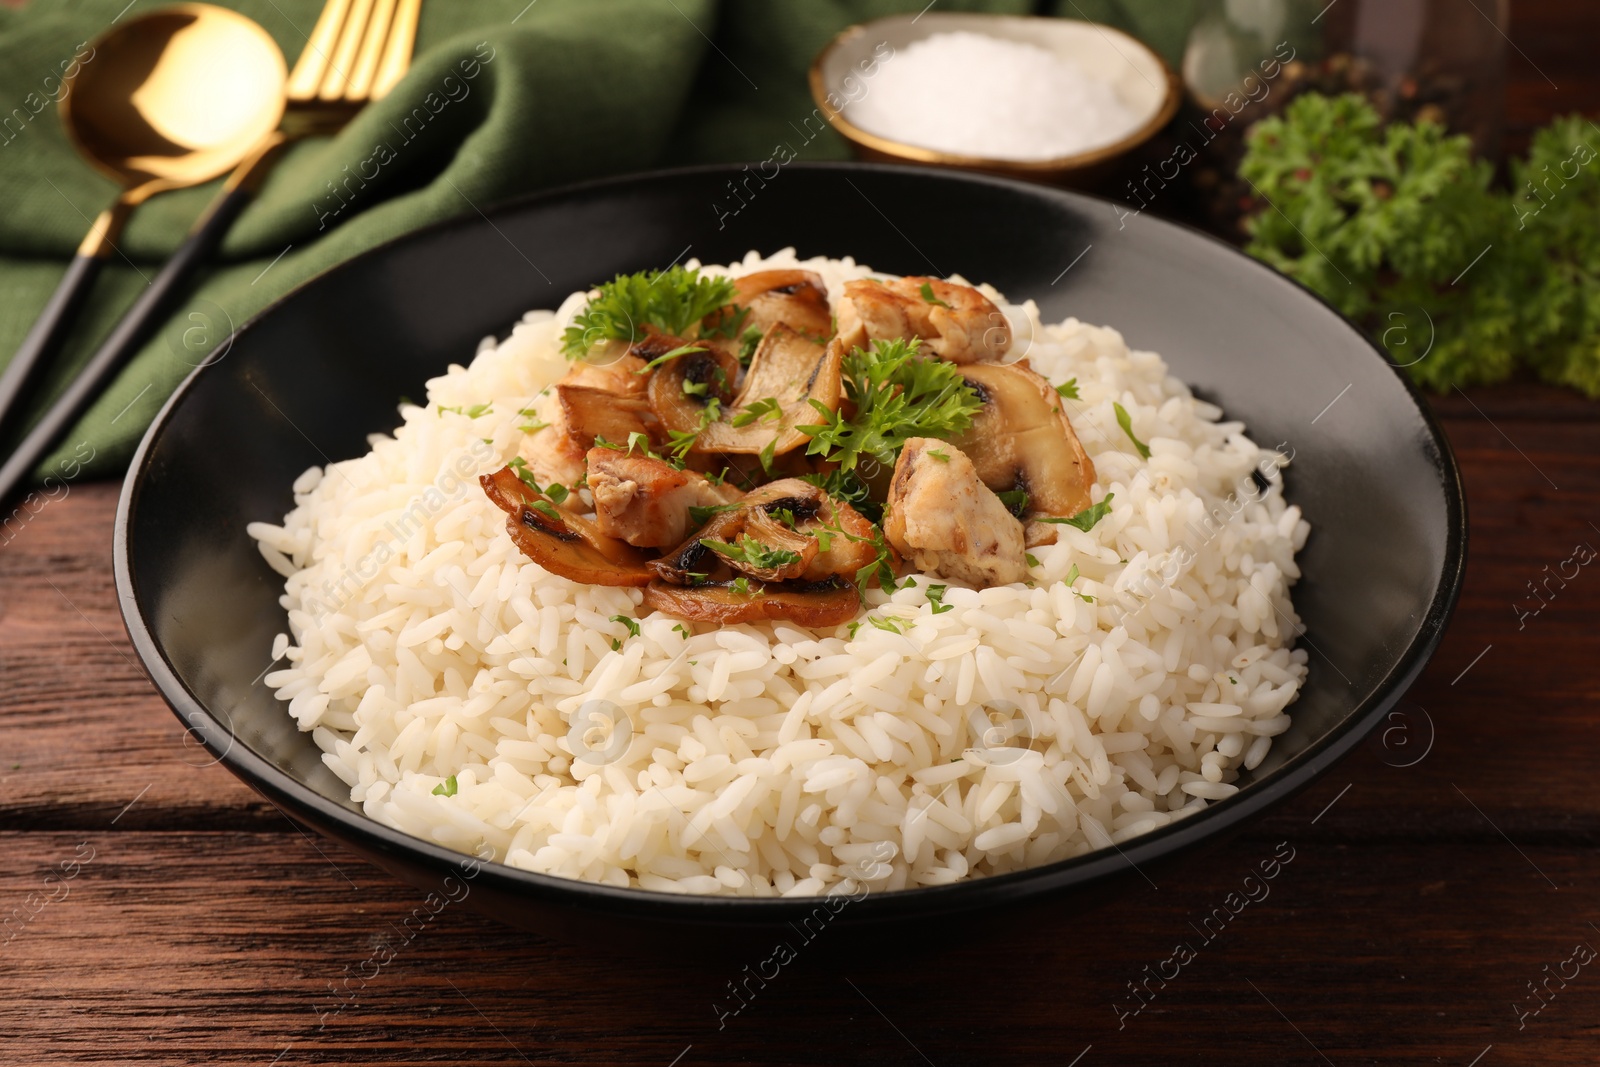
<point x="1441" y="60"/>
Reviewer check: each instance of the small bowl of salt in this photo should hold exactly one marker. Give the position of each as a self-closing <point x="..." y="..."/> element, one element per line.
<point x="1051" y="100"/>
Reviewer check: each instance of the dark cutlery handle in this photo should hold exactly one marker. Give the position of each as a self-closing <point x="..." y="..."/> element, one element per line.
<point x="44" y="340"/>
<point x="125" y="339"/>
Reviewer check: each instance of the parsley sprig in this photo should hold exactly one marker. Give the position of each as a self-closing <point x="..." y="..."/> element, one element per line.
<point x="671" y="300"/>
<point x="895" y="395"/>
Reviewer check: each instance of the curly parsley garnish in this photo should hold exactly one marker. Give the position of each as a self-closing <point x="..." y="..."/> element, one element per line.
<point x="895" y="395"/>
<point x="671" y="300"/>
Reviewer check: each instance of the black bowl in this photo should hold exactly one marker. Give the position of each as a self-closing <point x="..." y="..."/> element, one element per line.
<point x="308" y="379"/>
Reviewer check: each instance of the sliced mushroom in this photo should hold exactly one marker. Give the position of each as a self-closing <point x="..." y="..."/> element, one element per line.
<point x="956" y="322"/>
<point x="1022" y="439"/>
<point x="645" y="501"/>
<point x="589" y="414"/>
<point x="792" y="370"/>
<point x="681" y="388"/>
<point x="817" y="605"/>
<point x="941" y="516"/>
<point x="796" y="298"/>
<point x="788" y="515"/>
<point x="562" y="544"/>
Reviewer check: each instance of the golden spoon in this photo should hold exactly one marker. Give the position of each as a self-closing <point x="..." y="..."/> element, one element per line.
<point x="167" y="100"/>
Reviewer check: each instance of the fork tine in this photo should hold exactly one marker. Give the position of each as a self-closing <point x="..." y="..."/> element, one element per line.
<point x="397" y="51"/>
<point x="344" y="54"/>
<point x="359" y="87"/>
<point x="313" y="62"/>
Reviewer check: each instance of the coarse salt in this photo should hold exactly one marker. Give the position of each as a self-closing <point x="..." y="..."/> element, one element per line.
<point x="976" y="95"/>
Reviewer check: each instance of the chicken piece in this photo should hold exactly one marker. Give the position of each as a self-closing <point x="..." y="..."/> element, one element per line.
<point x="959" y="325"/>
<point x="603" y="393"/>
<point x="949" y="523"/>
<point x="644" y="501"/>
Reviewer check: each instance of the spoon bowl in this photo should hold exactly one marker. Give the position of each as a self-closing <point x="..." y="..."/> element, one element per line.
<point x="166" y="100"/>
<point x="176" y="97"/>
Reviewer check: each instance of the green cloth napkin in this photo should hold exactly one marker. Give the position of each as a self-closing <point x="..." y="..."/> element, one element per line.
<point x="561" y="90"/>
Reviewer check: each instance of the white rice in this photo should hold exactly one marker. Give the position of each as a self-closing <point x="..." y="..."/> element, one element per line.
<point x="768" y="759"/>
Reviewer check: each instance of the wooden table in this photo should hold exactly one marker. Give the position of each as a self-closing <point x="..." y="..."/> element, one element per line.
<point x="162" y="913"/>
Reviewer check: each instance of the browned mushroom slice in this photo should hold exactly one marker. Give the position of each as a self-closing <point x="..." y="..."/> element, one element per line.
<point x="681" y="388"/>
<point x="788" y="372"/>
<point x="818" y="516"/>
<point x="796" y="298"/>
<point x="947" y="521"/>
<point x="1021" y="439"/>
<point x="816" y="605"/>
<point x="562" y="544"/>
<point x="589" y="413"/>
<point x="644" y="501"/>
<point x="956" y="322"/>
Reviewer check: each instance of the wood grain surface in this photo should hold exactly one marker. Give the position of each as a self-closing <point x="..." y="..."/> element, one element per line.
<point x="1440" y="905"/>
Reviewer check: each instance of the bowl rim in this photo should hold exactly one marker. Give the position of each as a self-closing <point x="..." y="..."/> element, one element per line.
<point x="1098" y="865"/>
<point x="1172" y="99"/>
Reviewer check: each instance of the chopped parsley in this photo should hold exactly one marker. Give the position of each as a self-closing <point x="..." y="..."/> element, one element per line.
<point x="768" y="451"/>
<point x="632" y="625"/>
<point x="1033" y="561"/>
<point x="729" y="326"/>
<point x="682" y="629"/>
<point x="753" y="553"/>
<point x="700" y="514"/>
<point x="1085" y="519"/>
<point x="741" y="585"/>
<point x="679" y="442"/>
<point x="928" y="297"/>
<point x="671" y="300"/>
<point x="939" y="454"/>
<point x="637" y="441"/>
<point x="848" y="487"/>
<point x="1072" y="576"/>
<point x="1015" y="500"/>
<point x="768" y="409"/>
<point x="783" y="515"/>
<point x="936" y="598"/>
<point x="534" y="423"/>
<point x="1126" y="422"/>
<point x="470" y="412"/>
<point x="886" y="622"/>
<point x="1068" y="389"/>
<point x="446" y="788"/>
<point x="681" y="350"/>
<point x="749" y="341"/>
<point x="894" y="395"/>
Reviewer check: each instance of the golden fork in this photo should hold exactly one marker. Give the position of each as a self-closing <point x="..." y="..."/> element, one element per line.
<point x="356" y="53"/>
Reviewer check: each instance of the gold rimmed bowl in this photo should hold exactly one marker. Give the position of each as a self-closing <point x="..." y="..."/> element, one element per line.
<point x="843" y="71"/>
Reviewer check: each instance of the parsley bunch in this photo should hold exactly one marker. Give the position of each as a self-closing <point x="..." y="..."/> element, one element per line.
<point x="671" y="300"/>
<point x="1400" y="229"/>
<point x="895" y="395"/>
